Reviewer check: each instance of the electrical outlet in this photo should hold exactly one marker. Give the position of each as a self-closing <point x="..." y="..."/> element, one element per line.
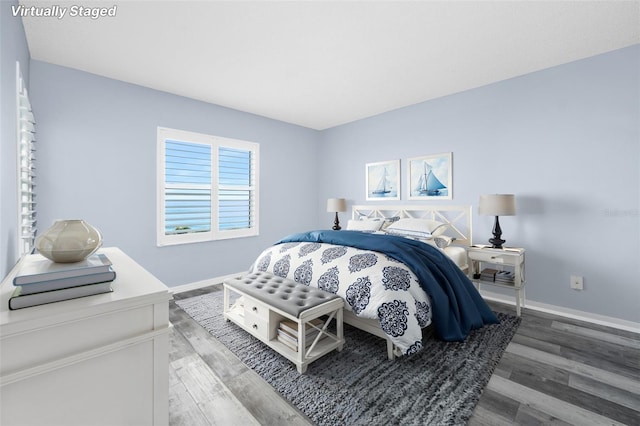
<point x="576" y="282"/>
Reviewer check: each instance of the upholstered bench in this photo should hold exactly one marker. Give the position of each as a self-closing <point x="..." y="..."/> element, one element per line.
<point x="269" y="303"/>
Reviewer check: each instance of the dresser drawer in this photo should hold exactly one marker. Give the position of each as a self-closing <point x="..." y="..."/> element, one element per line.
<point x="24" y="350"/>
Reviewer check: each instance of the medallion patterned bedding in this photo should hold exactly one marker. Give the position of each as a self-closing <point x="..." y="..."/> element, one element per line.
<point x="402" y="283"/>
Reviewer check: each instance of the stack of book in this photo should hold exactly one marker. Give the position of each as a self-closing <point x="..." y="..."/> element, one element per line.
<point x="41" y="281"/>
<point x="288" y="333"/>
<point x="505" y="277"/>
<point x="488" y="274"/>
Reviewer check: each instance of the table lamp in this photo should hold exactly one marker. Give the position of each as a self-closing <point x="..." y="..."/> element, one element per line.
<point x="497" y="205"/>
<point x="336" y="205"/>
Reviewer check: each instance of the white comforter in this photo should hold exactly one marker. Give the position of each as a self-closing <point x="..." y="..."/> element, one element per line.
<point x="372" y="284"/>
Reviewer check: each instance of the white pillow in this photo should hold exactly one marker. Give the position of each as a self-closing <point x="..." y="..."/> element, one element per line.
<point x="370" y="225"/>
<point x="417" y="228"/>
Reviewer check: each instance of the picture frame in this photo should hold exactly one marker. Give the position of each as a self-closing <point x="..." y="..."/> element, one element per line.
<point x="383" y="180"/>
<point x="430" y="177"/>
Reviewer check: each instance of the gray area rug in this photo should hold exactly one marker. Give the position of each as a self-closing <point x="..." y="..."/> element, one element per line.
<point x="440" y="385"/>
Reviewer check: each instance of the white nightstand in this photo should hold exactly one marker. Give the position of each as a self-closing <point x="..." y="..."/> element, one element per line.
<point x="509" y="262"/>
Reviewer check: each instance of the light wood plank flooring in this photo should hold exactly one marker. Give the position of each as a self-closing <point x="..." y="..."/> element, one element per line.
<point x="555" y="371"/>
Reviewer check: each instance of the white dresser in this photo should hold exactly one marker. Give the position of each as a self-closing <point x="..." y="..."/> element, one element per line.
<point x="97" y="360"/>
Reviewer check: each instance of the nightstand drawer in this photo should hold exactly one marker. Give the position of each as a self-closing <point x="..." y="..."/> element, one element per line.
<point x="486" y="256"/>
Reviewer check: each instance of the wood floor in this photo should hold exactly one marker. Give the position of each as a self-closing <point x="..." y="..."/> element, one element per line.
<point x="555" y="371"/>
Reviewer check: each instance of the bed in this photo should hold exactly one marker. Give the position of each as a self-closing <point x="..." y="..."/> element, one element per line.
<point x="400" y="269"/>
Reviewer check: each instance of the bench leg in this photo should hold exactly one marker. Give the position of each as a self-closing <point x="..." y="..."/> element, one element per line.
<point x="225" y="302"/>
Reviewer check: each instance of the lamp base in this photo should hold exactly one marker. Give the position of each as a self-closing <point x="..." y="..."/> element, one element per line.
<point x="496" y="241"/>
<point x="336" y="224"/>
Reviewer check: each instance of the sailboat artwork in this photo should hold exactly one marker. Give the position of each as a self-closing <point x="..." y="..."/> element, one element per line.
<point x="384" y="186"/>
<point x="430" y="177"/>
<point x="429" y="184"/>
<point x="383" y="180"/>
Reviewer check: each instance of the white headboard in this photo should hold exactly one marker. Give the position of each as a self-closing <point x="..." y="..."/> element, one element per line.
<point x="458" y="217"/>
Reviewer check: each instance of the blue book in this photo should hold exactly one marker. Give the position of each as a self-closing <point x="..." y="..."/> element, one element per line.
<point x="42" y="286"/>
<point x="36" y="268"/>
<point x="18" y="301"/>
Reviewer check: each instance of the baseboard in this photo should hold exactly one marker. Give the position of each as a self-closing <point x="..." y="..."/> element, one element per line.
<point x="204" y="283"/>
<point x="612" y="322"/>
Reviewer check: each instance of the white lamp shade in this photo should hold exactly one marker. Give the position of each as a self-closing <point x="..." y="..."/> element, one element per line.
<point x="336" y="205"/>
<point x="497" y="205"/>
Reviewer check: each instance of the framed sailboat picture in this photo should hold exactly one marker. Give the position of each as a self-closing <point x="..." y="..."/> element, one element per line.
<point x="430" y="177"/>
<point x="383" y="180"/>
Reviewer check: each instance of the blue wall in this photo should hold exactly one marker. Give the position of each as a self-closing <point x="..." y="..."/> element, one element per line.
<point x="565" y="140"/>
<point x="13" y="47"/>
<point x="97" y="161"/>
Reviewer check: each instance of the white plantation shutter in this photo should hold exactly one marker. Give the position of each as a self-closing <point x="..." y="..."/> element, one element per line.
<point x="236" y="189"/>
<point x="187" y="187"/>
<point x="26" y="167"/>
<point x="207" y="187"/>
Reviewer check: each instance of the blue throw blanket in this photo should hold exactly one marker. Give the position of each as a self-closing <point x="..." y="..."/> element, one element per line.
<point x="457" y="307"/>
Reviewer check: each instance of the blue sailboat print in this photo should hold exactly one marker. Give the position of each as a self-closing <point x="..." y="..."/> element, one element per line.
<point x="384" y="186"/>
<point x="429" y="184"/>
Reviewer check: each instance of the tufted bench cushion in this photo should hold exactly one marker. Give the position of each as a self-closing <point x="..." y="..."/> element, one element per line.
<point x="281" y="293"/>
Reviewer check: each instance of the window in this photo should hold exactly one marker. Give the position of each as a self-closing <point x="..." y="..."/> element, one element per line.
<point x="207" y="187"/>
<point x="26" y="168"/>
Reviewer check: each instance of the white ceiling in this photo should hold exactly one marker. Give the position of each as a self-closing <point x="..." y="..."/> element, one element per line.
<point x="320" y="64"/>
